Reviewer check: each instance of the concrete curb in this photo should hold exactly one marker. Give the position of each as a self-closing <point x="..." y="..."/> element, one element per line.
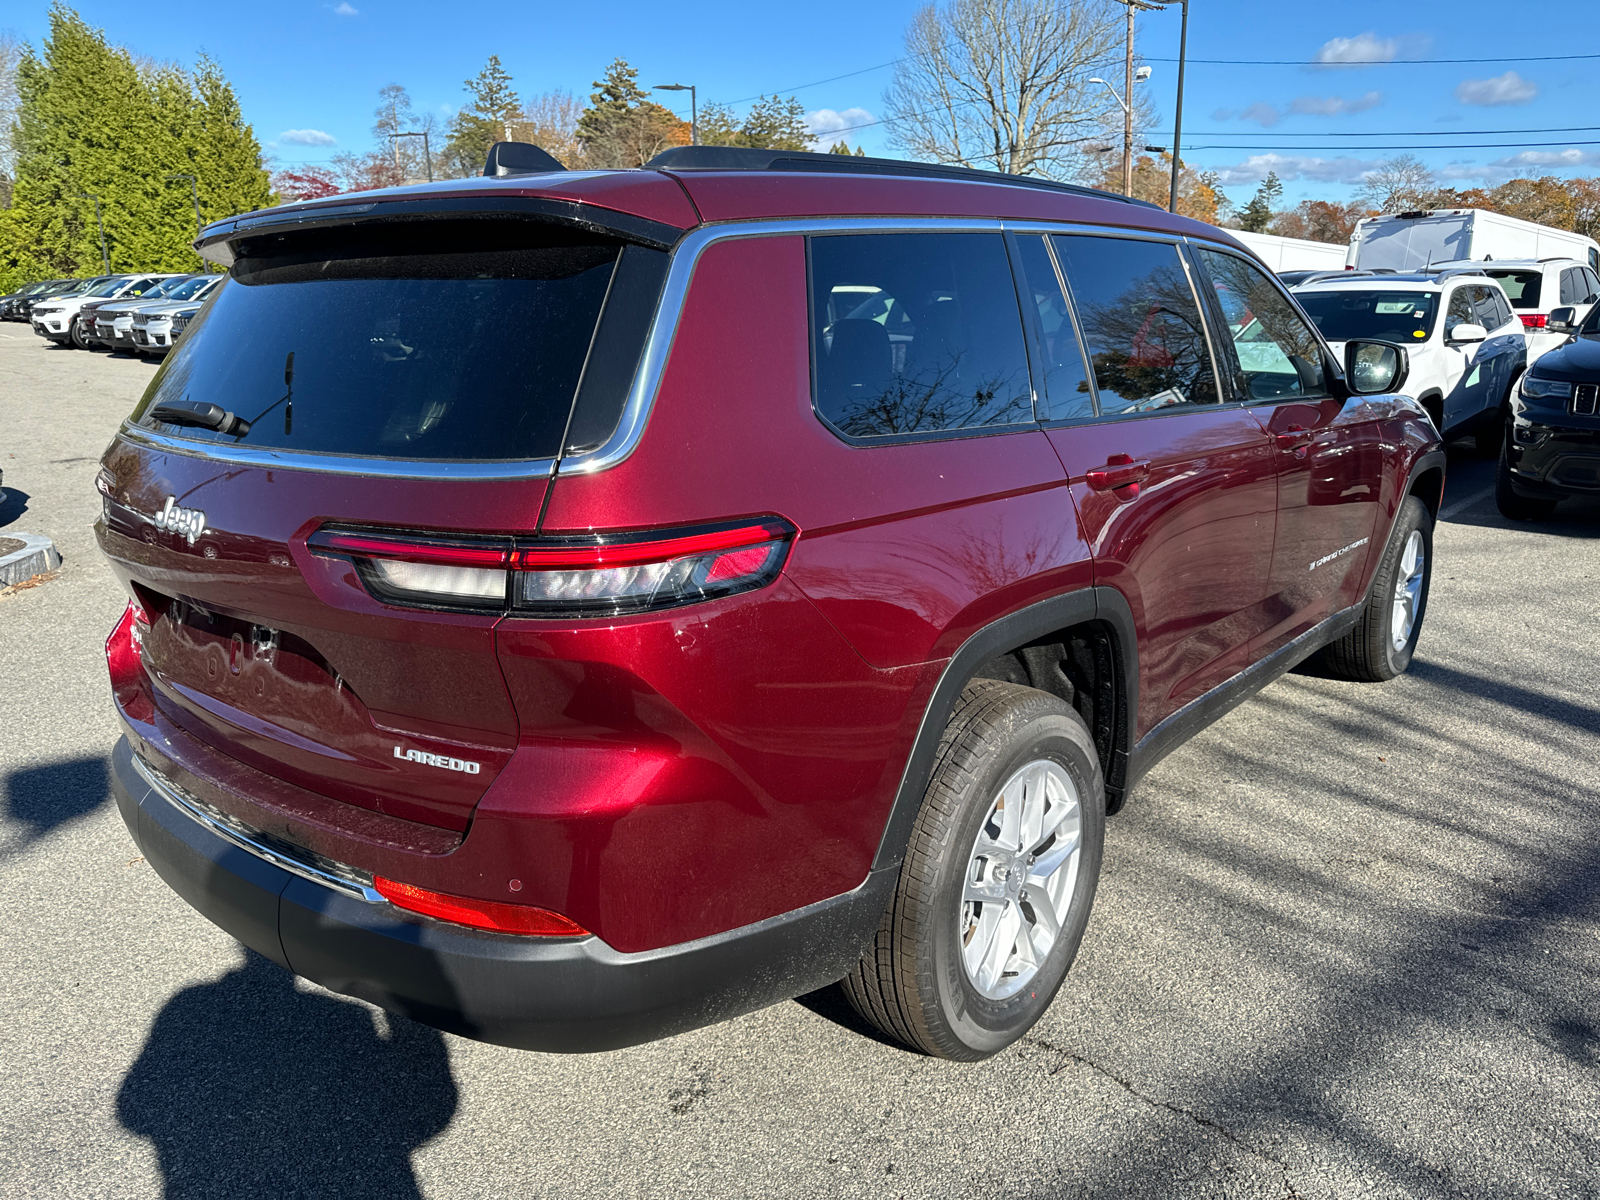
<point x="37" y="555"/>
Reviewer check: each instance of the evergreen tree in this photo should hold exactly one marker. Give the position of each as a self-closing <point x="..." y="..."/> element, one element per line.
<point x="623" y="127"/>
<point x="843" y="147"/>
<point x="1257" y="214"/>
<point x="487" y="120"/>
<point x="91" y="122"/>
<point x="775" y="124"/>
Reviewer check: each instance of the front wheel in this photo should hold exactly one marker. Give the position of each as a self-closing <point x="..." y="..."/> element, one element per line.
<point x="1384" y="639"/>
<point x="998" y="879"/>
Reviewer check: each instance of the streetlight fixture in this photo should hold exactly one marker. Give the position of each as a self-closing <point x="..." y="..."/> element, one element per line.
<point x="1139" y="76"/>
<point x="694" y="111"/>
<point x="105" y="259"/>
<point x="426" y="153"/>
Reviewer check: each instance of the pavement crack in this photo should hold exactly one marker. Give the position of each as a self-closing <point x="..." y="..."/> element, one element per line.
<point x="1222" y="1131"/>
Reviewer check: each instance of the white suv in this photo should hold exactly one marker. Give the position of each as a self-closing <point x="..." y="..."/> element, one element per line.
<point x="57" y="317"/>
<point x="1467" y="347"/>
<point x="1535" y="286"/>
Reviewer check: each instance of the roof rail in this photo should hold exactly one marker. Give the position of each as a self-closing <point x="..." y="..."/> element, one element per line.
<point x="1558" y="258"/>
<point x="739" y="158"/>
<point x="1441" y="276"/>
<point x="1320" y="276"/>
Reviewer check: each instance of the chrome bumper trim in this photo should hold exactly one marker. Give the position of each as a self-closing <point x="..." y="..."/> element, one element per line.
<point x="297" y="860"/>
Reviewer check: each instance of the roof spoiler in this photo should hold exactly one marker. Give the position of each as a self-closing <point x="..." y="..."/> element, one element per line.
<point x="519" y="158"/>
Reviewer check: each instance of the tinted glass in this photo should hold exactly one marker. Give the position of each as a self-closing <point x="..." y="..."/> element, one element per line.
<point x="455" y="342"/>
<point x="1522" y="287"/>
<point x="1066" y="383"/>
<point x="1569" y="287"/>
<point x="1270" y="346"/>
<point x="1459" y="309"/>
<point x="107" y="287"/>
<point x="1485" y="309"/>
<point x="188" y="289"/>
<point x="916" y="333"/>
<point x="1382" y="316"/>
<point x="1141" y="325"/>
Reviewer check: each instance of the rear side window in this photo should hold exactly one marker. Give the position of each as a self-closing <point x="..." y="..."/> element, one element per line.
<point x="1067" y="395"/>
<point x="1522" y="287"/>
<point x="1569" y="287"/>
<point x="1271" y="349"/>
<point x="916" y="334"/>
<point x="456" y="341"/>
<point x="1141" y="323"/>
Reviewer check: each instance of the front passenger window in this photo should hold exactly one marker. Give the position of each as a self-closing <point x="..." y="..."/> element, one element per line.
<point x="1273" y="351"/>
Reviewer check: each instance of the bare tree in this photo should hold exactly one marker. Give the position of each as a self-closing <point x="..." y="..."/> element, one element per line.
<point x="1004" y="84"/>
<point x="1398" y="185"/>
<point x="11" y="52"/>
<point x="550" y="121"/>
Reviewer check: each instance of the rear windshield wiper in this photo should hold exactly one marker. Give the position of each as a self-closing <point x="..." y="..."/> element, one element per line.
<point x="202" y="415"/>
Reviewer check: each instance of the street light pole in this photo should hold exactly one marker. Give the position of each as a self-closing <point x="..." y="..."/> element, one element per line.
<point x="1133" y="6"/>
<point x="426" y="153"/>
<point x="694" y="108"/>
<point x="1139" y="76"/>
<point x="194" y="192"/>
<point x="105" y="259"/>
<point x="1177" y="123"/>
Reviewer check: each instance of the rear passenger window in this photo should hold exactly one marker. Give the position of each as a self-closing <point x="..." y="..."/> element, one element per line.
<point x="1569" y="287"/>
<point x="1141" y="325"/>
<point x="1066" y="383"/>
<point x="916" y="333"/>
<point x="1271" y="348"/>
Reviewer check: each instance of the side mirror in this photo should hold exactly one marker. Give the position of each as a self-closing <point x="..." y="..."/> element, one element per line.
<point x="1561" y="320"/>
<point x="1372" y="368"/>
<point x="1468" y="332"/>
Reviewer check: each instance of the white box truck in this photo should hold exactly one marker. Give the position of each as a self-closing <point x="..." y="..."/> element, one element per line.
<point x="1293" y="254"/>
<point x="1414" y="241"/>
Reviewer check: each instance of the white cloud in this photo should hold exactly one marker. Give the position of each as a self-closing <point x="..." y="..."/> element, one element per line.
<point x="307" y="137"/>
<point x="828" y="126"/>
<point x="1223" y="114"/>
<point x="1292" y="167"/>
<point x="345" y="9"/>
<point x="1509" y="88"/>
<point x="1334" y="106"/>
<point x="1262" y="114"/>
<point x="1364" y="47"/>
<point x="1571" y="157"/>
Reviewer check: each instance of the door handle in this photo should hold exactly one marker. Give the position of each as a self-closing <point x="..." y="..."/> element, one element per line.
<point x="1120" y="471"/>
<point x="1295" y="435"/>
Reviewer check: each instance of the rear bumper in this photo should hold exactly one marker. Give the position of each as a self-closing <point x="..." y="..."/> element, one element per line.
<point x="530" y="993"/>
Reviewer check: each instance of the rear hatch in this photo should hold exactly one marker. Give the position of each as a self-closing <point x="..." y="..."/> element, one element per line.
<point x="385" y="376"/>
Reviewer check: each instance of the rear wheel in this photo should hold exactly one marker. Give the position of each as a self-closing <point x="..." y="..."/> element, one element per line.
<point x="1512" y="505"/>
<point x="998" y="879"/>
<point x="1384" y="639"/>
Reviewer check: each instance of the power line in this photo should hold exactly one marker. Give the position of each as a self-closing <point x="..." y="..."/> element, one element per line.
<point x="1403" y="146"/>
<point x="1392" y="132"/>
<point x="1374" y="62"/>
<point x="816" y="83"/>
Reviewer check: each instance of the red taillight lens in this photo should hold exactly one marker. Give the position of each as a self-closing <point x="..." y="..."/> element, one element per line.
<point x="480" y="914"/>
<point x="589" y="575"/>
<point x="1534" y="320"/>
<point x="124" y="649"/>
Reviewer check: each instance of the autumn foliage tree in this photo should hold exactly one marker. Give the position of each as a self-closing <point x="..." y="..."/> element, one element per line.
<point x="1198" y="195"/>
<point x="622" y="126"/>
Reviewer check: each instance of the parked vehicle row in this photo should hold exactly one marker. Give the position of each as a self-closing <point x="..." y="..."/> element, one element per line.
<point x="139" y="313"/>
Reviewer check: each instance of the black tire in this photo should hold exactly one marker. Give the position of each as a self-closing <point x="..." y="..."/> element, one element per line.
<point x="1512" y="505"/>
<point x="912" y="984"/>
<point x="76" y="339"/>
<point x="1368" y="654"/>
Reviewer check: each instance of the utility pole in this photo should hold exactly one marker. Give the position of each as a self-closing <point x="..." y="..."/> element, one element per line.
<point x="105" y="259"/>
<point x="1133" y="6"/>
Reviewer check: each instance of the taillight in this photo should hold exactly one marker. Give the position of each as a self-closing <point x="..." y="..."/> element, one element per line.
<point x="1534" y="320"/>
<point x="124" y="649"/>
<point x="480" y="914"/>
<point x="593" y="575"/>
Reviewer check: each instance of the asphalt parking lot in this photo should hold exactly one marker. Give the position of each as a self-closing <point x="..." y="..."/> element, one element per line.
<point x="1345" y="946"/>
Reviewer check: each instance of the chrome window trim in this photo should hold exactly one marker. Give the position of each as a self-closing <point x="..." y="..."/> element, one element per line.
<point x="306" y="864"/>
<point x="646" y="384"/>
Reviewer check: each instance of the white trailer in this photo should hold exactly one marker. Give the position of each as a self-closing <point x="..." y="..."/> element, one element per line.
<point x="1415" y="241"/>
<point x="1293" y="254"/>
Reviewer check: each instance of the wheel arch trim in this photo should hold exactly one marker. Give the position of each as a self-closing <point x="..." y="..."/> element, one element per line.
<point x="1103" y="605"/>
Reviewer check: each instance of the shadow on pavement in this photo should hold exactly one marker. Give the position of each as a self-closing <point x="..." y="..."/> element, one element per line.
<point x="41" y="799"/>
<point x="250" y="1087"/>
<point x="13" y="504"/>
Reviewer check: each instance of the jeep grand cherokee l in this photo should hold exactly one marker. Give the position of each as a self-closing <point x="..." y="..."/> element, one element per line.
<point x="570" y="609"/>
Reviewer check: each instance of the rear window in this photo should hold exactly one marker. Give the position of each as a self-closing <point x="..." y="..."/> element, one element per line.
<point x="1385" y="316"/>
<point x="1521" y="287"/>
<point x="457" y="341"/>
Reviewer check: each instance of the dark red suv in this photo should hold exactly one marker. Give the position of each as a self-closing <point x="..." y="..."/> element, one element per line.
<point x="569" y="609"/>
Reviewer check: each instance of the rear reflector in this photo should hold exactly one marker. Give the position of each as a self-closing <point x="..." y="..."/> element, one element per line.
<point x="591" y="575"/>
<point x="480" y="914"/>
<point x="1534" y="320"/>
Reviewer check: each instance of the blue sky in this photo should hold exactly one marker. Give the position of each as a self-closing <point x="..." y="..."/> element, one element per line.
<point x="308" y="72"/>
